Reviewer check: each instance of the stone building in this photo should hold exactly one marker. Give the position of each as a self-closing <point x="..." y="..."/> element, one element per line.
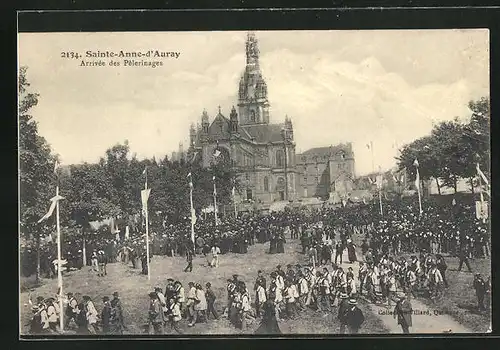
<point x="323" y="171"/>
<point x="262" y="154"/>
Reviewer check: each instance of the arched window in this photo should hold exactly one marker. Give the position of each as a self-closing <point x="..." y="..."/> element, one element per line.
<point x="280" y="158"/>
<point x="252" y="116"/>
<point x="266" y="184"/>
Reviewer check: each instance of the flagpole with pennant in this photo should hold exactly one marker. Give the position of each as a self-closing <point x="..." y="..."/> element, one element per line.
<point x="193" y="214"/>
<point x="55" y="205"/>
<point x="481" y="177"/>
<point x="144" y="197"/>
<point x="379" y="187"/>
<point x="233" y="192"/>
<point x="417" y="184"/>
<point x="215" y="202"/>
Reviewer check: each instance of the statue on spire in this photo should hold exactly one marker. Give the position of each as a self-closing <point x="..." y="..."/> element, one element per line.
<point x="252" y="49"/>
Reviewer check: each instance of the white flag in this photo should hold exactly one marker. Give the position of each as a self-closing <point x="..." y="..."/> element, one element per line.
<point x="189" y="175"/>
<point x="51" y="208"/>
<point x="380" y="181"/>
<point x="415" y="163"/>
<point x="233" y="191"/>
<point x="417" y="181"/>
<point x="480" y="173"/>
<point x="193" y="216"/>
<point x="144" y="172"/>
<point x="145" y="197"/>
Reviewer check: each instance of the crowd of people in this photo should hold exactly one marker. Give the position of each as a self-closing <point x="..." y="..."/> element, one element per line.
<point x="80" y="313"/>
<point x="401" y="256"/>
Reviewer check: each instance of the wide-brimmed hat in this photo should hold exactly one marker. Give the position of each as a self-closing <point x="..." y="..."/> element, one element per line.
<point x="343" y="296"/>
<point x="353" y="302"/>
<point x="115" y="294"/>
<point x="152" y="294"/>
<point x="105" y="298"/>
<point x="401" y="295"/>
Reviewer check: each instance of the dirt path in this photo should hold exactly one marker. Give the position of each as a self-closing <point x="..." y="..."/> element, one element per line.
<point x="425" y="319"/>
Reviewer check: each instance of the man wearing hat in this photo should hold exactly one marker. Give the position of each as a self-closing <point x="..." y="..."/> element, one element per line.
<point x="91" y="314"/>
<point x="163" y="302"/>
<point x="210" y="296"/>
<point x="403" y="311"/>
<point x="156" y="316"/>
<point x="102" y="261"/>
<point x="480" y="286"/>
<point x="52" y="314"/>
<point x="71" y="310"/>
<point x="175" y="313"/>
<point x="354" y="317"/>
<point x="106" y="315"/>
<point x="343" y="307"/>
<point x="169" y="289"/>
<point x="189" y="259"/>
<point x="117" y="321"/>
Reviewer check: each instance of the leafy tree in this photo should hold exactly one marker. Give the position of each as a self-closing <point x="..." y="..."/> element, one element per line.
<point x="36" y="165"/>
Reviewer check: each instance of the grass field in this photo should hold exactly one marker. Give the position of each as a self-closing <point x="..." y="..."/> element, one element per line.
<point x="134" y="287"/>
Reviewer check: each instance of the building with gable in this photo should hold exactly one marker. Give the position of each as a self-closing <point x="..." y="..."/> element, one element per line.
<point x="262" y="154"/>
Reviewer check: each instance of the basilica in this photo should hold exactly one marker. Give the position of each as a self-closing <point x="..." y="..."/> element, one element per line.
<point x="262" y="154"/>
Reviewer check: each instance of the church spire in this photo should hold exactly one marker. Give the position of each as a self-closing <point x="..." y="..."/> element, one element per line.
<point x="253" y="104"/>
<point x="252" y="49"/>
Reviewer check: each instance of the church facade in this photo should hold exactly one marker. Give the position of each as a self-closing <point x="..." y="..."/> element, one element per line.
<point x="262" y="154"/>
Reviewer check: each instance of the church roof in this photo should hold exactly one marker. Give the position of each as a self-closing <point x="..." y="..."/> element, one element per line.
<point x="325" y="151"/>
<point x="263" y="133"/>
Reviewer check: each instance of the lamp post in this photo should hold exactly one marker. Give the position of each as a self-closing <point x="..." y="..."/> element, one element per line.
<point x="284" y="135"/>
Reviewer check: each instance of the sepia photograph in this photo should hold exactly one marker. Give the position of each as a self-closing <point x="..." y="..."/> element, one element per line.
<point x="329" y="182"/>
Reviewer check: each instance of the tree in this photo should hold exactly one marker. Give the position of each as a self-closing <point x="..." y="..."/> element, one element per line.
<point x="88" y="197"/>
<point x="36" y="165"/>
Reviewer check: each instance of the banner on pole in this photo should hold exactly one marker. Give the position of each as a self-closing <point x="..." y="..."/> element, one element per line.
<point x="145" y="197"/>
<point x="54" y="201"/>
<point x="481" y="210"/>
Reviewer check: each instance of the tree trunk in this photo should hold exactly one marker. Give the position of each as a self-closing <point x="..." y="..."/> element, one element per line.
<point x="422" y="186"/>
<point x="455" y="185"/>
<point x="84" y="248"/>
<point x="37" y="276"/>
<point x="438" y="186"/>
<point x="472" y="185"/>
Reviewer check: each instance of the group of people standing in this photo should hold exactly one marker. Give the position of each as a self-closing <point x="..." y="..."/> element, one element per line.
<point x="170" y="307"/>
<point x="78" y="310"/>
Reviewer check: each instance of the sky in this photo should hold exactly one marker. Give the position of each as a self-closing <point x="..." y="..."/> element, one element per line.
<point x="385" y="86"/>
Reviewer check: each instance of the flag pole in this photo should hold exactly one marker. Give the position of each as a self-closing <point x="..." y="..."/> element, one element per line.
<point x="480" y="193"/>
<point x="59" y="267"/>
<point x="215" y="202"/>
<point x="192" y="209"/>
<point x="373" y="157"/>
<point x="147" y="225"/>
<point x="417" y="183"/>
<point x="234" y="203"/>
<point x="380" y="201"/>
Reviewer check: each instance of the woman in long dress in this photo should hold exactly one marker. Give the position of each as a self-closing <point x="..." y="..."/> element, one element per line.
<point x="272" y="244"/>
<point x="269" y="324"/>
<point x="351" y="251"/>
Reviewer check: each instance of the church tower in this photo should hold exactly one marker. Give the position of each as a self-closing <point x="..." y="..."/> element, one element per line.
<point x="253" y="104"/>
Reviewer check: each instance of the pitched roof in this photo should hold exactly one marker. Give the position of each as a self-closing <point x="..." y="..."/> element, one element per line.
<point x="263" y="133"/>
<point x="326" y="151"/>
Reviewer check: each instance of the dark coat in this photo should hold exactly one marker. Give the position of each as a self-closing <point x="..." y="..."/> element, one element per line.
<point x="403" y="311"/>
<point x="269" y="324"/>
<point x="354" y="317"/>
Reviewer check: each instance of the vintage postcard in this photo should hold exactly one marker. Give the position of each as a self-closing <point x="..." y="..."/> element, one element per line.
<point x="254" y="182"/>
